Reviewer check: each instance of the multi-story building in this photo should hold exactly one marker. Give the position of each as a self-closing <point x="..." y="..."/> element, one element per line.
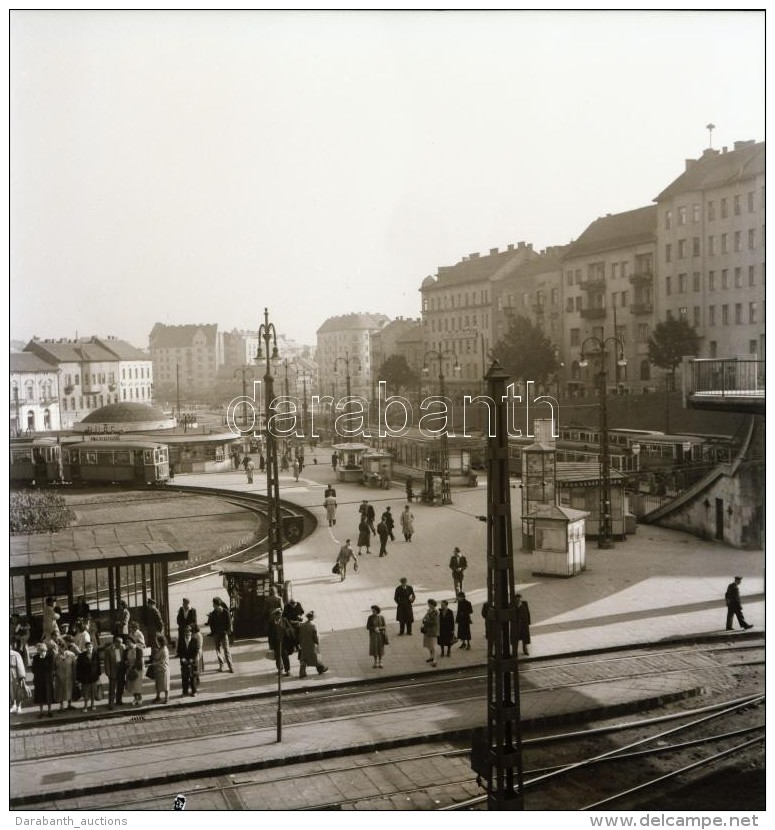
<point x="710" y="234"/>
<point x="607" y="291"/>
<point x="239" y="349"/>
<point x="186" y="358"/>
<point x="385" y="342"/>
<point x="34" y="404"/>
<point x="344" y="349"/>
<point x="134" y="376"/>
<point x="457" y="312"/>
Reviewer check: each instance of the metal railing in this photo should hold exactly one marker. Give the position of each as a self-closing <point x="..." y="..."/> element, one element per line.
<point x="727" y="377"/>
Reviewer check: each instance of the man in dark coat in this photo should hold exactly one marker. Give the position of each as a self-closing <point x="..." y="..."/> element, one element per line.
<point x="734" y="605"/>
<point x="458" y="564"/>
<point x="87" y="673"/>
<point x="219" y="620"/>
<point x="368" y="515"/>
<point x="81" y="610"/>
<point x="382" y="532"/>
<point x="404" y="598"/>
<point x="387" y="518"/>
<point x="113" y="658"/>
<point x="523" y="623"/>
<point x="281" y="641"/>
<point x="154" y="624"/>
<point x="188" y="654"/>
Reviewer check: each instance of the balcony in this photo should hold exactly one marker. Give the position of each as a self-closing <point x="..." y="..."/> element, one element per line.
<point x="641" y="308"/>
<point x="642" y="278"/>
<point x="593" y="313"/>
<point x="593" y="284"/>
<point x="729" y="385"/>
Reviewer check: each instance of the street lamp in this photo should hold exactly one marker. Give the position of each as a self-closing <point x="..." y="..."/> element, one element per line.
<point x="560" y="367"/>
<point x="244" y="370"/>
<point x="346" y="359"/>
<point x="446" y="494"/>
<point x="604" y="537"/>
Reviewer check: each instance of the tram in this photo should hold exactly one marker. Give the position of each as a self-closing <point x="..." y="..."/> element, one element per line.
<point x="124" y="462"/>
<point x="35" y="460"/>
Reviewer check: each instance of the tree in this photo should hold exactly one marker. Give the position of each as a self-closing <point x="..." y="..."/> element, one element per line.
<point x="670" y="342"/>
<point x="525" y="352"/>
<point x="397" y="374"/>
<point x="38" y="512"/>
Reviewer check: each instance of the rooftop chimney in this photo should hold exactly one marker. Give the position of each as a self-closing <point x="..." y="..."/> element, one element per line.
<point x="511" y="247"/>
<point x="740" y="144"/>
<point x="493" y="251"/>
<point x="474" y="256"/>
<point x="520" y="245"/>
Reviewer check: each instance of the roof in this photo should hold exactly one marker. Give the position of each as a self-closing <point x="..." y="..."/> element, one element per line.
<point x="163" y="336"/>
<point x="546" y="262"/>
<point x="475" y="268"/>
<point x="74" y="549"/>
<point x="121" y="349"/>
<point x="29" y="362"/>
<point x="556" y="511"/>
<point x="125" y="412"/>
<point x="359" y="320"/>
<point x="618" y="230"/>
<point x="569" y="472"/>
<point x="718" y="169"/>
<point x="70" y="351"/>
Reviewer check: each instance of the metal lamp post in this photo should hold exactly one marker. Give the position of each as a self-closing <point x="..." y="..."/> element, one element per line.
<point x="604" y="537"/>
<point x="446" y="492"/>
<point x="346" y="359"/>
<point x="244" y="370"/>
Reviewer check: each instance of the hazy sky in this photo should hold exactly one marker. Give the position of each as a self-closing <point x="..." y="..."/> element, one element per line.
<point x="189" y="167"/>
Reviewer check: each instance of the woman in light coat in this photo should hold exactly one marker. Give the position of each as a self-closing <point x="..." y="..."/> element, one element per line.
<point x="64" y="677"/>
<point x="17" y="677"/>
<point x="134" y="671"/>
<point x="377" y="629"/>
<point x="430" y="630"/>
<point x="407" y="524"/>
<point x="161" y="669"/>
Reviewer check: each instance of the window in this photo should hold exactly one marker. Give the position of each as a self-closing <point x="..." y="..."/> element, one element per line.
<point x="751" y="239"/>
<point x="668" y="252"/>
<point x="575" y="337"/>
<point x="738" y="277"/>
<point x="668" y="219"/>
<point x="624" y="299"/>
<point x="696" y="317"/>
<point x="614" y="270"/>
<point x="578" y="276"/>
<point x="711" y="210"/>
<point x="578" y="303"/>
<point x="751" y="275"/>
<point x="723" y="243"/>
<point x="645" y="370"/>
<point x="751" y="347"/>
<point x="738" y="241"/>
<point x="681" y="215"/>
<point x="725" y="315"/>
<point x="752" y="315"/>
<point x="711" y="315"/>
<point x="724" y="208"/>
<point x="696" y="246"/>
<point x="750" y="201"/>
<point x="555" y="296"/>
<point x="696" y="277"/>
<point x="643" y="332"/>
<point x="682" y="283"/>
<point x="569" y="277"/>
<point x="681" y="248"/>
<point x="77" y="380"/>
<point x="667" y="286"/>
<point x="738" y="313"/>
<point x="713" y="346"/>
<point x="725" y="278"/>
<point x="569" y="304"/>
<point x="736" y="204"/>
<point x="625" y="269"/>
<point x="683" y="314"/>
<point x="696" y="212"/>
<point x="64" y="404"/>
<point x="711" y="246"/>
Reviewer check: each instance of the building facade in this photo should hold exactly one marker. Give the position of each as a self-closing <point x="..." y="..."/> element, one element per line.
<point x="186" y="358"/>
<point x="711" y="234"/>
<point x="34" y="402"/>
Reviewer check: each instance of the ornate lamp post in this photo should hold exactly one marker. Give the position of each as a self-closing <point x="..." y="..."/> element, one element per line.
<point x="346" y="359"/>
<point x="446" y="493"/>
<point x="604" y="537"/>
<point x="244" y="370"/>
<point x="268" y="334"/>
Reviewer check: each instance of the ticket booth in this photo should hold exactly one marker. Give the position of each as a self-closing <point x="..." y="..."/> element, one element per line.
<point x="350" y="461"/>
<point x="248" y="586"/>
<point x="558" y="540"/>
<point x="377" y="469"/>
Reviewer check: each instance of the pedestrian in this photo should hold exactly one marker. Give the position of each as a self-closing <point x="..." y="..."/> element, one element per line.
<point x="50" y="619"/>
<point x="382" y="532"/>
<point x="133" y="660"/>
<point x="430" y="630"/>
<point x="334" y="460"/>
<point x="272" y="601"/>
<point x="64" y="677"/>
<point x="81" y="610"/>
<point x="463" y="619"/>
<point x="280" y="641"/>
<point x="296" y="468"/>
<point x="458" y="565"/>
<point x="294" y="614"/>
<point x="446" y="628"/>
<point x="154" y="624"/>
<point x="87" y="673"/>
<point x="114" y="662"/>
<point x="364" y="537"/>
<point x="137" y="636"/>
<point x="161" y="669"/>
<point x="329" y="502"/>
<point x="196" y="635"/>
<point x="261" y="462"/>
<point x="122" y="619"/>
<point x="343" y="557"/>
<point x="284" y="463"/>
<point x="43" y="678"/>
<point x="245" y="462"/>
<point x="367" y="511"/>
<point x="734" y="605"/>
<point x="409" y="491"/>
<point x="309" y="646"/>
<point x="186" y="616"/>
<point x="523" y="623"/>
<point x="404" y="599"/>
<point x="387" y="518"/>
<point x="80" y="635"/>
<point x="21" y="637"/>
<point x="377" y="629"/>
<point x="219" y="620"/>
<point x="188" y="654"/>
<point x="330" y="491"/>
<point x="172" y="471"/>
<point x="249" y="468"/>
<point x="407" y="523"/>
<point x="17" y="680"/>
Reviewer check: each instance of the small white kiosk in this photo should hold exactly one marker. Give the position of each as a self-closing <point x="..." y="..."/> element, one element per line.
<point x="558" y="538"/>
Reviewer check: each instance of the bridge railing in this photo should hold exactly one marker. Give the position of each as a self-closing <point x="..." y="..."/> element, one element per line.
<point x="726" y="377"/>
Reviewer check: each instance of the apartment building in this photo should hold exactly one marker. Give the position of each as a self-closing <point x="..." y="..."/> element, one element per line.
<point x="186" y="358"/>
<point x="34" y="402"/>
<point x="710" y="236"/>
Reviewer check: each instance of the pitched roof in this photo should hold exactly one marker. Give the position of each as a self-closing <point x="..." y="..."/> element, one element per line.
<point x="546" y="262"/>
<point x="475" y="268"/>
<point x="121" y="349"/>
<point x="29" y="362"/>
<point x="357" y="320"/>
<point x="69" y="351"/>
<point x="718" y="169"/>
<point x="583" y="471"/>
<point x="617" y="230"/>
<point x="164" y="336"/>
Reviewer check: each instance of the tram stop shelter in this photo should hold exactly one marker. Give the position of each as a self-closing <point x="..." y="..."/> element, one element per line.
<point x="248" y="584"/>
<point x="350" y="461"/>
<point x="68" y="565"/>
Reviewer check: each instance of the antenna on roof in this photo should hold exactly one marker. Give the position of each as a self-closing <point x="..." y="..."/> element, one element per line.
<point x="710" y="128"/>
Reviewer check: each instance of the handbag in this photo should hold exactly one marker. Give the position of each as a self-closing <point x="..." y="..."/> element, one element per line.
<point x="150" y="672"/>
<point x="422" y="629"/>
<point x="385" y="641"/>
<point x="23" y="691"/>
<point x="336" y="569"/>
<point x="131" y="674"/>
